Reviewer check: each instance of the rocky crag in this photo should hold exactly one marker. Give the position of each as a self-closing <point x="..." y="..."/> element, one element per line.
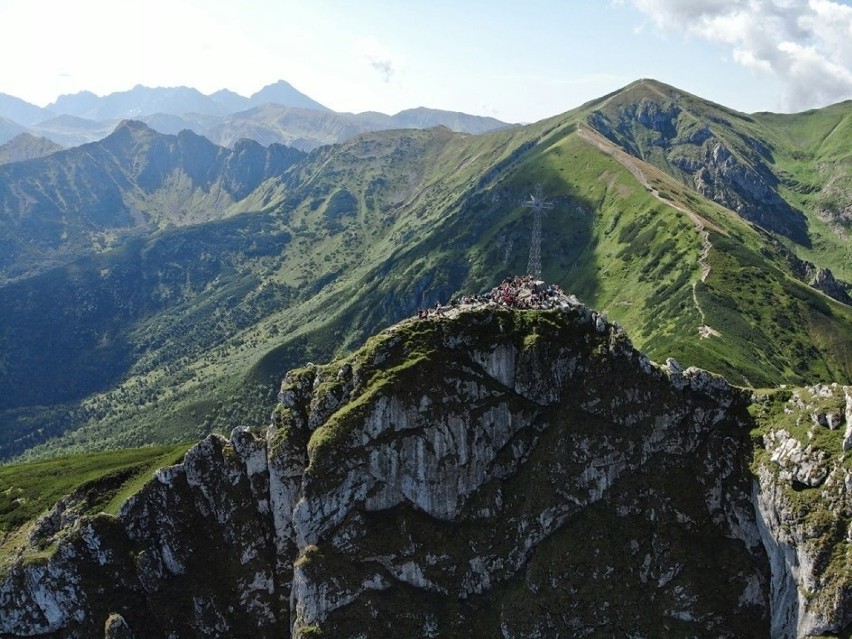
<point x="803" y="499"/>
<point x="481" y="471"/>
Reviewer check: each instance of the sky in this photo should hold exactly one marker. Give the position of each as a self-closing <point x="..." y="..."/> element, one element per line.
<point x="518" y="61"/>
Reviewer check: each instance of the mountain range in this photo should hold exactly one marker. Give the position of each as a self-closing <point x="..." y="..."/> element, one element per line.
<point x="277" y="113"/>
<point x="447" y="475"/>
<point x="155" y="286"/>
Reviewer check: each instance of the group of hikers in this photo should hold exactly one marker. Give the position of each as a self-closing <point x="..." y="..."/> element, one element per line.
<point x="524" y="292"/>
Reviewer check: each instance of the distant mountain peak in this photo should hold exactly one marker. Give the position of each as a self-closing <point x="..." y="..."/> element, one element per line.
<point x="78" y="94"/>
<point x="20" y="111"/>
<point x="277" y="113"/>
<point x="130" y="132"/>
<point x="275" y="86"/>
<point x="133" y="125"/>
<point x="651" y="82"/>
<point x="282" y="92"/>
<point x="26" y="146"/>
<point x="643" y="89"/>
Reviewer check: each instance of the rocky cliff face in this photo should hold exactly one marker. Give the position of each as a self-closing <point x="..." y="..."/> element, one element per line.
<point x="803" y="499"/>
<point x="486" y="472"/>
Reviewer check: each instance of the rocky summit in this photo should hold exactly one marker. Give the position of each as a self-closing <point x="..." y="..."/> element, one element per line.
<point x="507" y="466"/>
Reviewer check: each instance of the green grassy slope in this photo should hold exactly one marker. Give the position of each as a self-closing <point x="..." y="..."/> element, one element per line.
<point x="27" y="489"/>
<point x="666" y="266"/>
<point x="813" y="160"/>
<point x="101" y="481"/>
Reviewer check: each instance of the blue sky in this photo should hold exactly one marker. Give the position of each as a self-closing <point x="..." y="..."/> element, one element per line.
<point x="517" y="61"/>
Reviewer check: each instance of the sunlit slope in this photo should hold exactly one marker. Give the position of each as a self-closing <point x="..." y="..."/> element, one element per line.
<point x="813" y="160"/>
<point x="687" y="277"/>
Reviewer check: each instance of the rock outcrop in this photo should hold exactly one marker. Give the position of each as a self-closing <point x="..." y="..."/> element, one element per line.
<point x="821" y="279"/>
<point x="192" y="554"/>
<point x="484" y="472"/>
<point x="803" y="498"/>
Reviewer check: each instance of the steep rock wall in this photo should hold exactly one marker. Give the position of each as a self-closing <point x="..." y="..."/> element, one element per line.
<point x="192" y="554"/>
<point x="803" y="499"/>
<point x="521" y="461"/>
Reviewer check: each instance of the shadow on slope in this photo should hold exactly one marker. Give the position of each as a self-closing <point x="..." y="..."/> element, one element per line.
<point x="79" y="329"/>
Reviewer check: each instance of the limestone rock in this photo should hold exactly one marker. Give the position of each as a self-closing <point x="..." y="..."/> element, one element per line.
<point x="116" y="628"/>
<point x="824" y="281"/>
<point x="799" y="463"/>
<point x="803" y="498"/>
<point x="847" y="436"/>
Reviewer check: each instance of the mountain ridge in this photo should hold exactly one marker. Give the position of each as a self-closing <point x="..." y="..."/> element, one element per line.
<point x="93" y="194"/>
<point x="174" y="108"/>
<point x="469" y="463"/>
<point x="26" y="146"/>
<point x="356" y="236"/>
<point x="141" y="101"/>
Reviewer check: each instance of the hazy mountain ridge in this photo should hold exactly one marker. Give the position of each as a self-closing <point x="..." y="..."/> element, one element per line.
<point x="223" y="116"/>
<point x="358" y="235"/>
<point x="10" y="130"/>
<point x="306" y="130"/>
<point x="20" y="111"/>
<point x="26" y="147"/>
<point x="86" y="198"/>
<point x="70" y="130"/>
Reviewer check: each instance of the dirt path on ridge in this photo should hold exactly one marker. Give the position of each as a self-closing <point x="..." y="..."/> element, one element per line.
<point x="632" y="164"/>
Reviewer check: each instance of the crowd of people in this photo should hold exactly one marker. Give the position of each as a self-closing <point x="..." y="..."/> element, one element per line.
<point x="524" y="292"/>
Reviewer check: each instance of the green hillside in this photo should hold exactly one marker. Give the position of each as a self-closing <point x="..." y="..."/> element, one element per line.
<point x="190" y="330"/>
<point x="791" y="174"/>
<point x="814" y="163"/>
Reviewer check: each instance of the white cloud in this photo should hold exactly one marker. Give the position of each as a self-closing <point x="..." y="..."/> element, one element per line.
<point x="749" y="60"/>
<point x="807" y="44"/>
<point x="378" y="57"/>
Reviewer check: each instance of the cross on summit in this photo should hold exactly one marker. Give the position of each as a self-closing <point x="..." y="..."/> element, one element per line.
<point x="538" y="204"/>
